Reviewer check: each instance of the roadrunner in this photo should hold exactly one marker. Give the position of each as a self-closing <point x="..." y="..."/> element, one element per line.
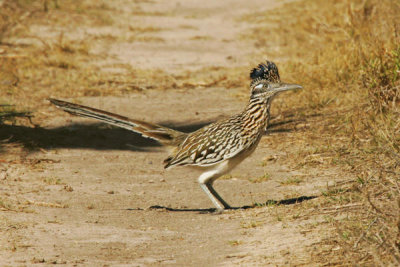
<point x="216" y="148"/>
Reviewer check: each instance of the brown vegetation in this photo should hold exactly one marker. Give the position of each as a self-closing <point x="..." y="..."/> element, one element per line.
<point x="347" y="54"/>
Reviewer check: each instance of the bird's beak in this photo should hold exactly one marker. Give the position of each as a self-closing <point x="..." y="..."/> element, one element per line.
<point x="280" y="87"/>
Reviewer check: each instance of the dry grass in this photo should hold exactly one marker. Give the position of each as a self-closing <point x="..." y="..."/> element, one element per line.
<point x="64" y="66"/>
<point x="292" y="181"/>
<point x="347" y="55"/>
<point x="261" y="179"/>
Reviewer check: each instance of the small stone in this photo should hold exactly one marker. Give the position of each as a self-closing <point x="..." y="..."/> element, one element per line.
<point x="271" y="158"/>
<point x="3" y="175"/>
<point x="68" y="188"/>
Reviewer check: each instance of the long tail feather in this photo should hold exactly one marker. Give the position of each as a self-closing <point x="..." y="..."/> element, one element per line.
<point x="164" y="135"/>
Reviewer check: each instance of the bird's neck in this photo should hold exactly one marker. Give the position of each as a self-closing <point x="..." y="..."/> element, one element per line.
<point x="256" y="114"/>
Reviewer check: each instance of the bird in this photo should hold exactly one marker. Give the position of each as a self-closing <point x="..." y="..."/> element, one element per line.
<point x="216" y="148"/>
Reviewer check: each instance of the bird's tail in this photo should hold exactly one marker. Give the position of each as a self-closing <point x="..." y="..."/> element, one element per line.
<point x="164" y="135"/>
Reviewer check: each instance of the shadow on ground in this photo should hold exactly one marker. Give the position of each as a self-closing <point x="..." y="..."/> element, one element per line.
<point x="289" y="201"/>
<point x="97" y="136"/>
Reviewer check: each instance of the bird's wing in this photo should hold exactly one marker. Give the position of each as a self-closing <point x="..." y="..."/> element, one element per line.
<point x="210" y="145"/>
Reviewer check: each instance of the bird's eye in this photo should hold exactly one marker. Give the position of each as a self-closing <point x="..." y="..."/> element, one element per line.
<point x="259" y="86"/>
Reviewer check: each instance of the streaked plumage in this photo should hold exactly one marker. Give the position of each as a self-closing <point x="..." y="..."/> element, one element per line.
<point x="216" y="148"/>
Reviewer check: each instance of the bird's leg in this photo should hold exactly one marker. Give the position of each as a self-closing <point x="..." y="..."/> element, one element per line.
<point x="216" y="195"/>
<point x="214" y="200"/>
<point x="205" y="180"/>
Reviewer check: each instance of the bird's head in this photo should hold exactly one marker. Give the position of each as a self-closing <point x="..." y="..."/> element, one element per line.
<point x="266" y="83"/>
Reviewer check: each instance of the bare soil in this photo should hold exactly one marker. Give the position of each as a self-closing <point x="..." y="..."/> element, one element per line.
<point x="85" y="198"/>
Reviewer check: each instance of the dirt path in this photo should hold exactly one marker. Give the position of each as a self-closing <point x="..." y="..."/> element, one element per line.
<point x="87" y="193"/>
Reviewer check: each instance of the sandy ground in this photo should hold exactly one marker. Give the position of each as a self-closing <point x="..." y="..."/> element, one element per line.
<point x="87" y="194"/>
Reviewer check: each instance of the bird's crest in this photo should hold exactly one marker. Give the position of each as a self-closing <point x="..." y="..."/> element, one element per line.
<point x="265" y="71"/>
